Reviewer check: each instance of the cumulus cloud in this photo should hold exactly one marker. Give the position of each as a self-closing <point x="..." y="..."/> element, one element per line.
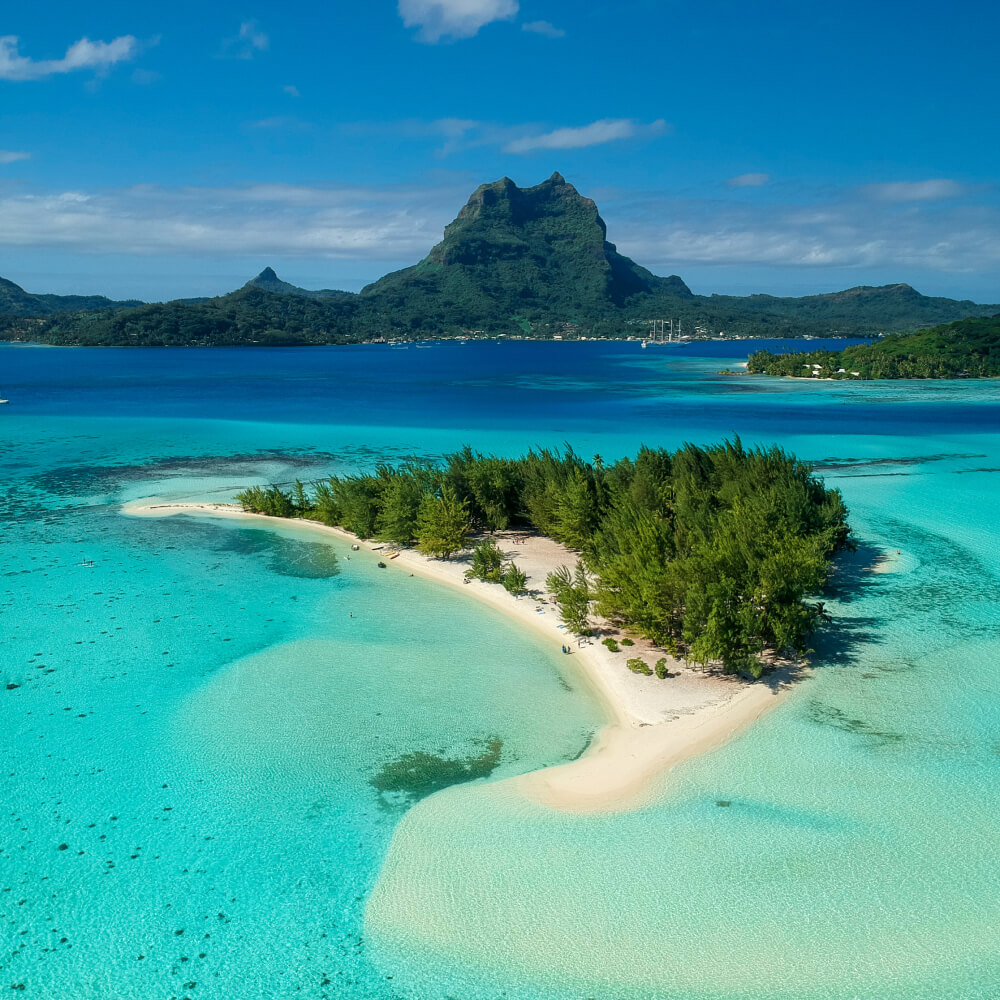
<point x="438" y="19"/>
<point x="246" y="43"/>
<point x="81" y="55"/>
<point x="594" y="134"/>
<point x="932" y="190"/>
<point x="10" y="156"/>
<point x="748" y="180"/>
<point x="543" y="28"/>
<point x="291" y="90"/>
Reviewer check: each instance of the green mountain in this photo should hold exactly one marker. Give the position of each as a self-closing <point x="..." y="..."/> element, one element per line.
<point x="268" y="281"/>
<point x="531" y="254"/>
<point x="877" y="308"/>
<point x="969" y="348"/>
<point x="532" y="261"/>
<point x="15" y="301"/>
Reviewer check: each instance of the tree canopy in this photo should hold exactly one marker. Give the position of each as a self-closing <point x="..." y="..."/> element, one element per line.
<point x="714" y="553"/>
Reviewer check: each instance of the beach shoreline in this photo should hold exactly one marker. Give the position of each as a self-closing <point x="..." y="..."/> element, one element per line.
<point x="651" y="724"/>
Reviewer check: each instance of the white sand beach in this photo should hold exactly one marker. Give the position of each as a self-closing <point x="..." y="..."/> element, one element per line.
<point x="653" y="724"/>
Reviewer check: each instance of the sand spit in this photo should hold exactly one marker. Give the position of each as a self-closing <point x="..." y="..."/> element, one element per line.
<point x="653" y="724"/>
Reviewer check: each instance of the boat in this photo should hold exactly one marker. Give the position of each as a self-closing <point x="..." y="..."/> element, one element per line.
<point x="663" y="333"/>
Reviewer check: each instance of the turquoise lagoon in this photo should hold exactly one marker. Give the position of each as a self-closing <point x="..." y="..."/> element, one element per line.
<point x="229" y="753"/>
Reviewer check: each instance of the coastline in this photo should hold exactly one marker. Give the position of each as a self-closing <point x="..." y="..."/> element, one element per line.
<point x="652" y="724"/>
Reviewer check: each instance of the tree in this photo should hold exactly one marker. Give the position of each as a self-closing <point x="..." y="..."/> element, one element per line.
<point x="442" y="524"/>
<point x="299" y="498"/>
<point x="399" y="505"/>
<point x="324" y="506"/>
<point x="576" y="511"/>
<point x="572" y="594"/>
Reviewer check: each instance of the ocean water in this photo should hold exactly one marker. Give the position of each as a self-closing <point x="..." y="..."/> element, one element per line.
<point x="230" y="754"/>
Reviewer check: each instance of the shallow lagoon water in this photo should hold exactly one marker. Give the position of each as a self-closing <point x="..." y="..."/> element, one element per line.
<point x="198" y="714"/>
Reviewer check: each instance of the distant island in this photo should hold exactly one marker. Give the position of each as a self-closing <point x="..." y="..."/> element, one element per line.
<point x="710" y="553"/>
<point x="969" y="348"/>
<point x="516" y="262"/>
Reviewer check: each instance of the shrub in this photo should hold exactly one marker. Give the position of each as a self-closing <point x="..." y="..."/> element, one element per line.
<point x="661" y="668"/>
<point x="514" y="580"/>
<point x="611" y="644"/>
<point x="627" y="642"/>
<point x="487" y="562"/>
<point x="638" y="666"/>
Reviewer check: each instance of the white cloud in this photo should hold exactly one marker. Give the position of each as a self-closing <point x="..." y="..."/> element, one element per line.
<point x="748" y="180"/>
<point x="394" y="225"/>
<point x="81" y="55"/>
<point x="846" y="232"/>
<point x="437" y="19"/>
<point x="291" y="90"/>
<point x="932" y="190"/>
<point x="543" y="28"/>
<point x="247" y="42"/>
<point x="279" y="220"/>
<point x="594" y="134"/>
<point x="10" y="156"/>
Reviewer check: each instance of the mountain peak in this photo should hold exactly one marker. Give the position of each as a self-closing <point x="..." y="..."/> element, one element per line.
<point x="269" y="281"/>
<point x="527" y="251"/>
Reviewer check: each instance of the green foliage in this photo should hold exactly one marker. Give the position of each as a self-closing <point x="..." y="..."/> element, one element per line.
<point x="969" y="348"/>
<point x="514" y="580"/>
<point x="324" y="505"/>
<point x="638" y="666"/>
<point x="487" y="562"/>
<point x="358" y="498"/>
<point x="398" y="507"/>
<point x="611" y="643"/>
<point x="271" y="500"/>
<point x="708" y="552"/>
<point x="661" y="668"/>
<point x="301" y="502"/>
<point x="572" y="595"/>
<point x="442" y="523"/>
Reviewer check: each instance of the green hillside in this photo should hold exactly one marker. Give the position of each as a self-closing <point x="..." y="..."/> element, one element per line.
<point x="15" y="301"/>
<point x="969" y="348"/>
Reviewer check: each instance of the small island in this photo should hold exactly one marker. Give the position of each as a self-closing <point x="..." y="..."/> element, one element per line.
<point x="968" y="348"/>
<point x="708" y="553"/>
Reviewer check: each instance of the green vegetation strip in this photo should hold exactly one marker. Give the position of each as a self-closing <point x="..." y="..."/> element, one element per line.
<point x="969" y="348"/>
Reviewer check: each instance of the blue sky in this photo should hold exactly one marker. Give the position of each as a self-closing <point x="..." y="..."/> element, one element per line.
<point x="163" y="150"/>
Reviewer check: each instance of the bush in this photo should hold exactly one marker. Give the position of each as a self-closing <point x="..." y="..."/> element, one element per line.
<point x="514" y="580"/>
<point x="611" y="644"/>
<point x="487" y="562"/>
<point x="661" y="668"/>
<point x="638" y="666"/>
<point x="627" y="642"/>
